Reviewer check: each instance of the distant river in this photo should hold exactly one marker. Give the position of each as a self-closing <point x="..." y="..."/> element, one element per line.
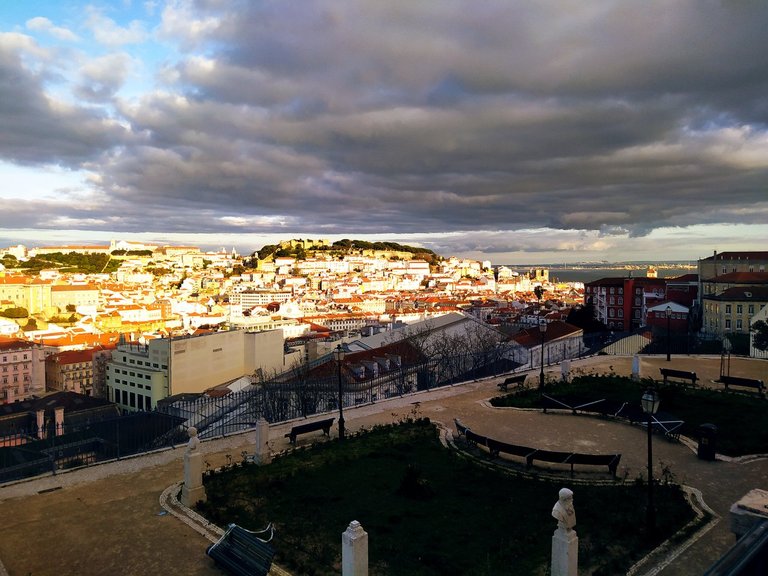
<point x="586" y="275"/>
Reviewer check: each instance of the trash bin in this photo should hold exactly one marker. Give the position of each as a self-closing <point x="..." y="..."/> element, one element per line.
<point x="707" y="441"/>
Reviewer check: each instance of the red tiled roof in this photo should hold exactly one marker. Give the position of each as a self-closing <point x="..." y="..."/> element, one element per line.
<point x="741" y="278"/>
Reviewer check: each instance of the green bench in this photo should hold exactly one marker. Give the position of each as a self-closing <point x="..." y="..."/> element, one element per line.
<point x="243" y="552"/>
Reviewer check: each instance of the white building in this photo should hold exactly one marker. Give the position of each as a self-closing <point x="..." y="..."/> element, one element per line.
<point x="138" y="376"/>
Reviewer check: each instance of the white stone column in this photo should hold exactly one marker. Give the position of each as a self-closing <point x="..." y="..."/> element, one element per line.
<point x="193" y="490"/>
<point x="40" y="418"/>
<point x="58" y="417"/>
<point x="565" y="370"/>
<point x="636" y="367"/>
<point x="565" y="552"/>
<point x="261" y="444"/>
<point x="354" y="550"/>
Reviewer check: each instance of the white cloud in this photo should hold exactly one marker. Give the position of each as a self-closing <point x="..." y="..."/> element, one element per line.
<point x="41" y="24"/>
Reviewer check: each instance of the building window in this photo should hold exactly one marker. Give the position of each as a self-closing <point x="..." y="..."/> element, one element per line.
<point x="739" y="309"/>
<point x="751" y="308"/>
<point x="621" y="300"/>
<point x="613" y="290"/>
<point x="612" y="301"/>
<point x="611" y="312"/>
<point x="621" y="313"/>
<point x="727" y="323"/>
<point x="727" y="308"/>
<point x="738" y="324"/>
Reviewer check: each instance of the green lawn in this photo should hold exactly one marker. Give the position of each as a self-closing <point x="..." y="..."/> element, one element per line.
<point x="428" y="510"/>
<point x="740" y="418"/>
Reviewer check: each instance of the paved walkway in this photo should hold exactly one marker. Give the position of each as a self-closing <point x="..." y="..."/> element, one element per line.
<point x="108" y="519"/>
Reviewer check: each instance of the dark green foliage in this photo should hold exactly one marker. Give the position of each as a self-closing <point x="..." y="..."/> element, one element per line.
<point x="345" y="246"/>
<point x="427" y="510"/>
<point x="739" y="418"/>
<point x="72" y="262"/>
<point x="760" y="335"/>
<point x="15" y="312"/>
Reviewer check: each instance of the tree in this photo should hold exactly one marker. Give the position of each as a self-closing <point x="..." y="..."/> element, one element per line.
<point x="760" y="335"/>
<point x="539" y="291"/>
<point x="16" y="312"/>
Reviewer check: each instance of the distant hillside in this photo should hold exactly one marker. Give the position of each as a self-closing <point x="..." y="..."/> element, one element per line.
<point x="306" y="249"/>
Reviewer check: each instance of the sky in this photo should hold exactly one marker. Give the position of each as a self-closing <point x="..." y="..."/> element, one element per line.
<point x="554" y="131"/>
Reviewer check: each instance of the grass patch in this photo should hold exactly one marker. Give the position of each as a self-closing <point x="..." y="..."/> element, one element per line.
<point x="428" y="510"/>
<point x="739" y="418"/>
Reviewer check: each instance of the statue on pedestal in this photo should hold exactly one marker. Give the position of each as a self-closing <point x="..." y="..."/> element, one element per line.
<point x="565" y="542"/>
<point x="563" y="510"/>
<point x="194" y="441"/>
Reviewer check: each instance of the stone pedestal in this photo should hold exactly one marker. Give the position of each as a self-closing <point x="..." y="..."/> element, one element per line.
<point x="354" y="550"/>
<point x="636" y="367"/>
<point x="565" y="553"/>
<point x="751" y="508"/>
<point x="193" y="490"/>
<point x="261" y="444"/>
<point x="565" y="370"/>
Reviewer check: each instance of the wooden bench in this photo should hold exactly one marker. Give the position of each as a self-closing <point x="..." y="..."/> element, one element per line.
<point x="679" y="374"/>
<point x="518" y="381"/>
<point x="244" y="552"/>
<point x="610" y="460"/>
<point x="496" y="447"/>
<point x="743" y="382"/>
<point x="324" y="425"/>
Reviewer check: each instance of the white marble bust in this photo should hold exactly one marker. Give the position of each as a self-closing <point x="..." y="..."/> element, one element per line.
<point x="563" y="510"/>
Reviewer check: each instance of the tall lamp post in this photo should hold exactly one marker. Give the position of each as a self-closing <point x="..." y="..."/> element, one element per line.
<point x="542" y="331"/>
<point x="669" y="319"/>
<point x="339" y="353"/>
<point x="650" y="403"/>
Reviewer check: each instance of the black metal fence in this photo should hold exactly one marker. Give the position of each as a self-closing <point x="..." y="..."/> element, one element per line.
<point x="30" y="452"/>
<point x="25" y="453"/>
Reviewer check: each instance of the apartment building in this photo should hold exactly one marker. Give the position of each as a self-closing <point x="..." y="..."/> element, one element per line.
<point x="138" y="375"/>
<point x="733" y="310"/>
<point x="70" y="371"/>
<point x="82" y="296"/>
<point x="623" y="303"/>
<point x="22" y="370"/>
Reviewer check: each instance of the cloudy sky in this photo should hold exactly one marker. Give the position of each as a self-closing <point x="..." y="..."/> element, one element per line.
<point x="514" y="131"/>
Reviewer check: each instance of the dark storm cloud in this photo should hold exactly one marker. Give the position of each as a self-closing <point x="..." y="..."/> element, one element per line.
<point x="402" y="116"/>
<point x="35" y="128"/>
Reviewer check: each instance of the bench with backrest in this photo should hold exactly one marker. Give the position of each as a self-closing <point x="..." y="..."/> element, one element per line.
<point x="530" y="455"/>
<point x="679" y="375"/>
<point x="244" y="552"/>
<point x="324" y="425"/>
<point x="517" y="381"/>
<point x="743" y="382"/>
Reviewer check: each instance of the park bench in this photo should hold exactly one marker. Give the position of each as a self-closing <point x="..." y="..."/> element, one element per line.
<point x="244" y="552"/>
<point x="518" y="381"/>
<point x="678" y="374"/>
<point x="324" y="425"/>
<point x="743" y="382"/>
<point x="610" y="460"/>
<point x="496" y="447"/>
<point x="573" y="458"/>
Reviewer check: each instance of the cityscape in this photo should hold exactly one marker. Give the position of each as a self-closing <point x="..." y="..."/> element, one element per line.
<point x="282" y="280"/>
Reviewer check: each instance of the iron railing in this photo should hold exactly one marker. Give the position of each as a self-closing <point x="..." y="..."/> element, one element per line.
<point x="25" y="453"/>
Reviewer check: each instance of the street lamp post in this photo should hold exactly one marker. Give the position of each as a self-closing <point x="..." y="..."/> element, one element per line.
<point x="542" y="331"/>
<point x="669" y="318"/>
<point x="650" y="403"/>
<point x="339" y="357"/>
